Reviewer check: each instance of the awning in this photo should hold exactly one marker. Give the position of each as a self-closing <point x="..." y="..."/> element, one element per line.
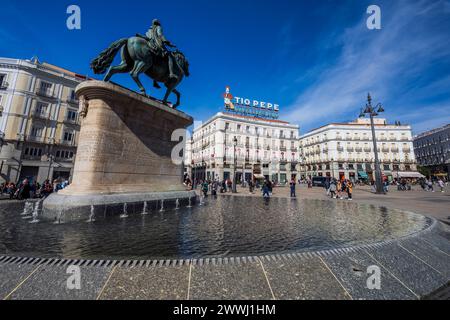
<point x="404" y="174"/>
<point x="440" y="174"/>
<point x="363" y="175"/>
<point x="259" y="176"/>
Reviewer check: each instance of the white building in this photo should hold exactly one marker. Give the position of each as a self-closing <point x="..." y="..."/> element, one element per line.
<point x="346" y="150"/>
<point x="265" y="148"/>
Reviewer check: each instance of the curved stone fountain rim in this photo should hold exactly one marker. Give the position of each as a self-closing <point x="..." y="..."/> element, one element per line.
<point x="214" y="260"/>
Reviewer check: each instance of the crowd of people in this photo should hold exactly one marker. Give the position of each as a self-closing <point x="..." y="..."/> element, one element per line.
<point x="31" y="190"/>
<point x="338" y="189"/>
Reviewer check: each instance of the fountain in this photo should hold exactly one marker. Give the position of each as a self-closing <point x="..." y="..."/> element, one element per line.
<point x="177" y="204"/>
<point x="92" y="215"/>
<point x="145" y="210"/>
<point x="190" y="203"/>
<point x="162" y="206"/>
<point x="125" y="211"/>
<point x="60" y="214"/>
<point x="35" y="214"/>
<point x="28" y="209"/>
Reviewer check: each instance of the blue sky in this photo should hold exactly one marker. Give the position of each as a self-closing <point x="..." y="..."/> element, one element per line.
<point x="317" y="59"/>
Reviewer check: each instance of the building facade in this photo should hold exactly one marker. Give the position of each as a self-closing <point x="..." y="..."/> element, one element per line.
<point x="432" y="150"/>
<point x="255" y="148"/>
<point x="345" y="150"/>
<point x="39" y="120"/>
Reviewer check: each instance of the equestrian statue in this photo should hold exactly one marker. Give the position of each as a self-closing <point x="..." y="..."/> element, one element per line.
<point x="149" y="55"/>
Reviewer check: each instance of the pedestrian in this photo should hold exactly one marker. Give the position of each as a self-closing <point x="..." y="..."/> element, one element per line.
<point x="350" y="190"/>
<point x="214" y="186"/>
<point x="270" y="186"/>
<point x="292" y="186"/>
<point x="265" y="190"/>
<point x="386" y="186"/>
<point x="441" y="184"/>
<point x="339" y="190"/>
<point x="24" y="190"/>
<point x="333" y="189"/>
<point x="327" y="186"/>
<point x="430" y="186"/>
<point x="205" y="187"/>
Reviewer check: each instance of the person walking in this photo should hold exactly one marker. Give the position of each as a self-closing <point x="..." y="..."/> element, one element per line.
<point x="327" y="186"/>
<point x="265" y="190"/>
<point x="205" y="187"/>
<point x="333" y="189"/>
<point x="441" y="184"/>
<point x="250" y="186"/>
<point x="339" y="190"/>
<point x="349" y="185"/>
<point x="292" y="186"/>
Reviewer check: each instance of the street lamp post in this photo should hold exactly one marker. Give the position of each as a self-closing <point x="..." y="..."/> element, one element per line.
<point x="235" y="164"/>
<point x="243" y="174"/>
<point x="370" y="110"/>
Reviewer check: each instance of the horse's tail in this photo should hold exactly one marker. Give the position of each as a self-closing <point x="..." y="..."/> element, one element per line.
<point x="100" y="64"/>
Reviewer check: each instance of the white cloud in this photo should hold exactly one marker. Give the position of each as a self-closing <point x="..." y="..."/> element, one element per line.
<point x="383" y="62"/>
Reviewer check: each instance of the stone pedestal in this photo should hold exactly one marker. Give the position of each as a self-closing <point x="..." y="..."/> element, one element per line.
<point x="124" y="151"/>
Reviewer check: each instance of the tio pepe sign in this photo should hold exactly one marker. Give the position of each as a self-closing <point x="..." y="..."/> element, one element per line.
<point x="250" y="107"/>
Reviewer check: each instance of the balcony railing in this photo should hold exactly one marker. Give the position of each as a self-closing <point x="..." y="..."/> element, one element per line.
<point x="41" y="115"/>
<point x="45" y="93"/>
<point x="69" y="143"/>
<point x="32" y="138"/>
<point x="31" y="157"/>
<point x="367" y="149"/>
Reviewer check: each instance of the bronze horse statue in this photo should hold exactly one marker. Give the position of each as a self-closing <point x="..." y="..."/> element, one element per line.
<point x="137" y="58"/>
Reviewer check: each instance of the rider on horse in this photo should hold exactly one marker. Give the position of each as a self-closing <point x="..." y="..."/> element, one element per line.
<point x="158" y="42"/>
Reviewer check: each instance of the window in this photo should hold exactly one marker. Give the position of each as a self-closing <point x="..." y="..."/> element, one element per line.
<point x="36" y="132"/>
<point x="41" y="109"/>
<point x="45" y="87"/>
<point x="3" y="81"/>
<point x="72" y="115"/>
<point x="72" y="95"/>
<point x="68" y="136"/>
<point x="33" y="152"/>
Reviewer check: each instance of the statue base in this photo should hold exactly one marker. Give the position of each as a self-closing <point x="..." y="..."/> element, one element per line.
<point x="124" y="154"/>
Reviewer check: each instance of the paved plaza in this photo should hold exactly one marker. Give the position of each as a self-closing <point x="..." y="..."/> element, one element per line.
<point x="432" y="204"/>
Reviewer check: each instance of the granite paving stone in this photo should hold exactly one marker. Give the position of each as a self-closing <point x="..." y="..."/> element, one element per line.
<point x="50" y="283"/>
<point x="152" y="283"/>
<point x="238" y="281"/>
<point x="11" y="275"/>
<point x="351" y="269"/>
<point x="430" y="254"/>
<point x="303" y="279"/>
<point x="412" y="272"/>
<point x="438" y="241"/>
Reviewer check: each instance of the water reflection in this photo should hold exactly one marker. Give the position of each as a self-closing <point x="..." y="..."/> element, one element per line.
<point x="222" y="226"/>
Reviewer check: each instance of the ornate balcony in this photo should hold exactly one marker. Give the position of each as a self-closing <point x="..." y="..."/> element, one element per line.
<point x="45" y="93"/>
